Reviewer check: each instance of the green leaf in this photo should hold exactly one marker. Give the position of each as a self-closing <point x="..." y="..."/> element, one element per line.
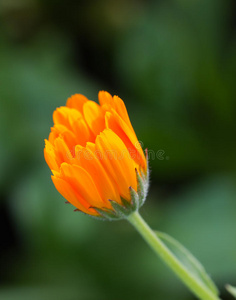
<point x="231" y="290"/>
<point x="188" y="261"/>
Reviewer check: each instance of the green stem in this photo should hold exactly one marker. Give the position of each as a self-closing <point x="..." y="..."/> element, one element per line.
<point x="201" y="291"/>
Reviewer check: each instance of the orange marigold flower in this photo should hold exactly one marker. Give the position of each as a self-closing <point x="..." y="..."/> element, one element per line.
<point x="97" y="162"/>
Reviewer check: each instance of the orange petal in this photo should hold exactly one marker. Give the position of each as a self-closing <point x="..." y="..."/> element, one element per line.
<point x="121" y="110"/>
<point x="105" y="185"/>
<point x="62" y="150"/>
<point x="68" y="136"/>
<point x="116" y="160"/>
<point x="115" y="123"/>
<point x="91" y="146"/>
<point x="50" y="156"/>
<point x="70" y="194"/>
<point x="108" y="102"/>
<point x="77" y="101"/>
<point x="94" y="116"/>
<point x="83" y="183"/>
<point x="82" y="132"/>
<point x="66" y="116"/>
<point x="73" y="121"/>
<point x="52" y="136"/>
<point x="105" y="98"/>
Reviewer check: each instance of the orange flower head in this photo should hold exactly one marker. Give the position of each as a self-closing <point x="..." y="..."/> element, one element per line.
<point x="97" y="162"/>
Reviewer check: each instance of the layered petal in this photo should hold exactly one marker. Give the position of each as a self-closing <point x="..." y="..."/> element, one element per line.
<point x="105" y="98"/>
<point x="83" y="183"/>
<point x="116" y="160"/>
<point x="51" y="157"/>
<point x="69" y="137"/>
<point x="94" y="117"/>
<point x="82" y="132"/>
<point x="71" y="195"/>
<point x="116" y="103"/>
<point x="116" y="123"/>
<point x="77" y="101"/>
<point x="62" y="151"/>
<point x="87" y="159"/>
<point x="73" y="121"/>
<point x="66" y="116"/>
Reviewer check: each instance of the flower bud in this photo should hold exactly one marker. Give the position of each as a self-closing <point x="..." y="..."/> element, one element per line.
<point x="97" y="162"/>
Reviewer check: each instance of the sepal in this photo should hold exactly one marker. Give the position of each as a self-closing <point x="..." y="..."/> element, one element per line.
<point x="106" y="214"/>
<point x="135" y="199"/>
<point x="142" y="186"/>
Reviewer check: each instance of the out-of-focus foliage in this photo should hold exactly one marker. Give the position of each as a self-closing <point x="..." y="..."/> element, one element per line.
<point x="174" y="64"/>
<point x="180" y="60"/>
<point x="231" y="290"/>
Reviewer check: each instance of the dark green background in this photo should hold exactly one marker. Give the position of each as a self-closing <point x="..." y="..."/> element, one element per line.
<point x="174" y="65"/>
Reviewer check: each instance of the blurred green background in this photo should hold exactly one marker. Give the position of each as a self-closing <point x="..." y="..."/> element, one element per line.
<point x="174" y="64"/>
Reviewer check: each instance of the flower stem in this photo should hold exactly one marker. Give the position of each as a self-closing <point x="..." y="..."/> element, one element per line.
<point x="201" y="291"/>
